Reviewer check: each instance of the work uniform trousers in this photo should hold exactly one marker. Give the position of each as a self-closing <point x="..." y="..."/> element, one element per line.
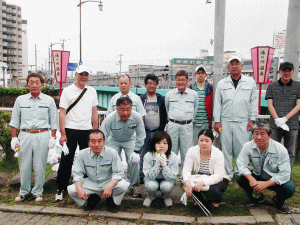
<point x="214" y="193"/>
<point x="289" y="141"/>
<point x="164" y="186"/>
<point x="133" y="172"/>
<point x="182" y="137"/>
<point x="233" y="136"/>
<point x="33" y="152"/>
<point x="196" y="131"/>
<point x="283" y="191"/>
<point x="92" y="187"/>
<point x="74" y="138"/>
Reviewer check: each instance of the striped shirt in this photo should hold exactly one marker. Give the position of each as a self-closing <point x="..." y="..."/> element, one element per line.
<point x="204" y="167"/>
<point x="201" y="114"/>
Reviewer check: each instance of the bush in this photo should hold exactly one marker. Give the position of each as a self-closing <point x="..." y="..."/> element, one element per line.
<point x="5" y="134"/>
<point x="21" y="91"/>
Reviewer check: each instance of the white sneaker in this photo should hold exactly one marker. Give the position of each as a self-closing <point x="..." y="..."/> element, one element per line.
<point x="20" y="198"/>
<point x="59" y="196"/>
<point x="38" y="198"/>
<point x="147" y="202"/>
<point x="168" y="202"/>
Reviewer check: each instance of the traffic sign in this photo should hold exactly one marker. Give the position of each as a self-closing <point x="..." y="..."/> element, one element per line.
<point x="72" y="66"/>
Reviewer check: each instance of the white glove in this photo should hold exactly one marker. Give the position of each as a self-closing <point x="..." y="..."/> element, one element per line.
<point x="16" y="154"/>
<point x="285" y="127"/>
<point x="163" y="160"/>
<point x="183" y="199"/>
<point x="215" y="133"/>
<point x="14" y="142"/>
<point x="280" y="121"/>
<point x="134" y="158"/>
<point x="65" y="149"/>
<point x="52" y="142"/>
<point x="157" y="158"/>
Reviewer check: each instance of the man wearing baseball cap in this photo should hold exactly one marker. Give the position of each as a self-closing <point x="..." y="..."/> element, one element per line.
<point x="235" y="111"/>
<point x="283" y="98"/>
<point x="203" y="119"/>
<point x="75" y="123"/>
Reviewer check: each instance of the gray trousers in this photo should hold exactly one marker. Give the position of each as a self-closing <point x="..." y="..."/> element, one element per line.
<point x="289" y="141"/>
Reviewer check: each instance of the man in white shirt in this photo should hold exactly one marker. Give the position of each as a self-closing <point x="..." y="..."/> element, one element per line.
<point x="124" y="86"/>
<point x="75" y="124"/>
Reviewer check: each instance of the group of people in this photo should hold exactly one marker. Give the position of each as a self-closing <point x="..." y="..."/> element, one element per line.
<point x="151" y="129"/>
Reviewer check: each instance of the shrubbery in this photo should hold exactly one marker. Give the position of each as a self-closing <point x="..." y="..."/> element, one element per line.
<point x="21" y="91"/>
<point x="5" y="134"/>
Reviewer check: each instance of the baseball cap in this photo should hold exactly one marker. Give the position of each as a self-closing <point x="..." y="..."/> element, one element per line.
<point x="235" y="58"/>
<point x="286" y="65"/>
<point x="200" y="68"/>
<point x="82" y="68"/>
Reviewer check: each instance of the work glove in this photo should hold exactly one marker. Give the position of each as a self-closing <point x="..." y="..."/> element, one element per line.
<point x="134" y="158"/>
<point x="163" y="160"/>
<point x="52" y="142"/>
<point x="65" y="149"/>
<point x="157" y="159"/>
<point x="281" y="122"/>
<point x="215" y="133"/>
<point x="14" y="142"/>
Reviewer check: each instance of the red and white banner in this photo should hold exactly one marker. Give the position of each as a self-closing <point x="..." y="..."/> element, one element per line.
<point x="61" y="62"/>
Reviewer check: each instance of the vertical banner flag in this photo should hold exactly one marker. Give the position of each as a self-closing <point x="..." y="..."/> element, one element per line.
<point x="61" y="62"/>
<point x="262" y="57"/>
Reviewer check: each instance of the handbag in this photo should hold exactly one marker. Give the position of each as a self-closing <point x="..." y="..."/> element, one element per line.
<point x="76" y="101"/>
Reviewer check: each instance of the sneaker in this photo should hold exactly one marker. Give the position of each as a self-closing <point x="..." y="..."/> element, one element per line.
<point x="59" y="196"/>
<point x="111" y="205"/>
<point x="168" y="202"/>
<point x="283" y="208"/>
<point x="254" y="201"/>
<point x="147" y="202"/>
<point x="135" y="192"/>
<point x="20" y="198"/>
<point x="91" y="202"/>
<point x="38" y="198"/>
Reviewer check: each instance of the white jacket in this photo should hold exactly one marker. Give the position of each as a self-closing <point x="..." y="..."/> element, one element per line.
<point x="216" y="165"/>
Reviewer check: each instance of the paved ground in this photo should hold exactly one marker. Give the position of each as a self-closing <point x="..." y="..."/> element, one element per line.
<point x="26" y="214"/>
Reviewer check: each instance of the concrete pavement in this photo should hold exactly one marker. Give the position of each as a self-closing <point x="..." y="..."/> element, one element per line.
<point x="27" y="214"/>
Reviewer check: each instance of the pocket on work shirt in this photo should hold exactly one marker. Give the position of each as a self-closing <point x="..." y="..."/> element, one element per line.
<point x="26" y="113"/>
<point x="43" y="112"/>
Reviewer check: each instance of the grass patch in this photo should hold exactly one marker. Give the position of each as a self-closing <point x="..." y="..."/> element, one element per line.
<point x="232" y="205"/>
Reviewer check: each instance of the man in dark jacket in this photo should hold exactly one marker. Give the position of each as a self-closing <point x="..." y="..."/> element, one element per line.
<point x="156" y="118"/>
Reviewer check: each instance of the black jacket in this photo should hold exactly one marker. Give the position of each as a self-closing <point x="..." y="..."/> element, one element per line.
<point x="162" y="110"/>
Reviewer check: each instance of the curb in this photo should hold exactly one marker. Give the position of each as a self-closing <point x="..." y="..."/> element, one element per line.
<point x="258" y="215"/>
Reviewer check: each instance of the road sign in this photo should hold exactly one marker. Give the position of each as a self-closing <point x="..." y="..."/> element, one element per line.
<point x="72" y="66"/>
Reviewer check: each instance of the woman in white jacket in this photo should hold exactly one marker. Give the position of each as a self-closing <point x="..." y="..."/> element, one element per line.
<point x="204" y="171"/>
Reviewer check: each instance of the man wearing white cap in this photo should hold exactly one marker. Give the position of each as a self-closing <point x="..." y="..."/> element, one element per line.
<point x="235" y="111"/>
<point x="77" y="117"/>
<point x="203" y="119"/>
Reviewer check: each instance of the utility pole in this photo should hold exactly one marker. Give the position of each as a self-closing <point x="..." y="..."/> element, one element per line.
<point x="35" y="59"/>
<point x="292" y="44"/>
<point x="120" y="62"/>
<point x="219" y="41"/>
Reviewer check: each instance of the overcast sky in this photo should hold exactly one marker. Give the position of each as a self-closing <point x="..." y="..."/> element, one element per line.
<point x="146" y="32"/>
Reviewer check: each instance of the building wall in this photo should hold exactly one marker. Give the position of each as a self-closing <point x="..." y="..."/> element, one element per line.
<point x="11" y="40"/>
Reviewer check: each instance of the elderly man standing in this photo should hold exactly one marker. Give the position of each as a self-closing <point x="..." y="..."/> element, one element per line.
<point x="284" y="104"/>
<point x="181" y="105"/>
<point x="235" y="111"/>
<point x="124" y="86"/>
<point x="270" y="165"/>
<point x="104" y="171"/>
<point x="125" y="129"/>
<point x="34" y="114"/>
<point x="77" y="117"/>
<point x="203" y="119"/>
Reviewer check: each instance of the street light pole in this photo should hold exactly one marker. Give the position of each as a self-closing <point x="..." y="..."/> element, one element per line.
<point x="80" y="39"/>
